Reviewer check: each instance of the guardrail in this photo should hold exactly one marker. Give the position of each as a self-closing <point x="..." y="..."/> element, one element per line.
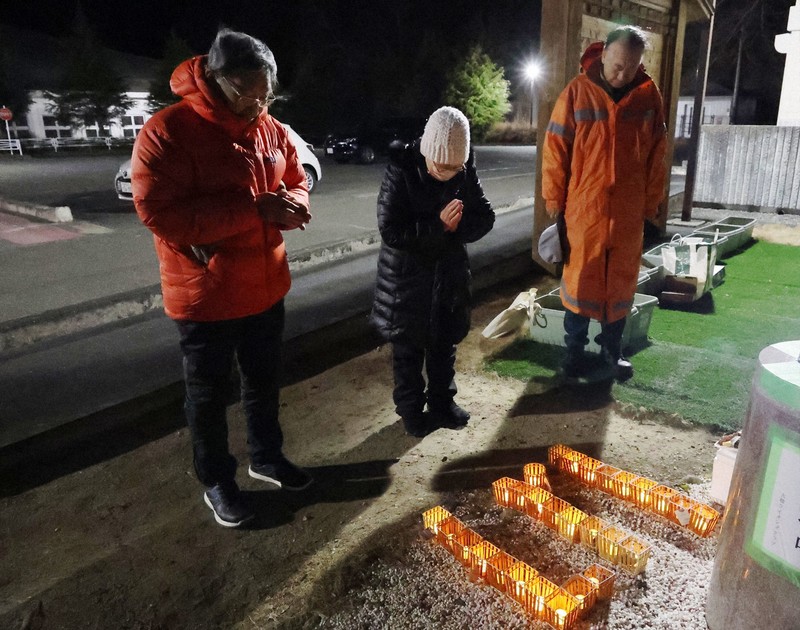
<point x="10" y="145"/>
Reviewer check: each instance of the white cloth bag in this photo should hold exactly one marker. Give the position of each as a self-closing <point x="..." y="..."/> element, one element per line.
<point x="521" y="312"/>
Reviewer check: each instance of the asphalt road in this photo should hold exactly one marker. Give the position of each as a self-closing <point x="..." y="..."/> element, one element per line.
<point x="343" y="204"/>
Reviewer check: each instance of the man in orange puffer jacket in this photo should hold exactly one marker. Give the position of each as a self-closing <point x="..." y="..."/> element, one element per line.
<point x="603" y="167"/>
<point x="216" y="179"/>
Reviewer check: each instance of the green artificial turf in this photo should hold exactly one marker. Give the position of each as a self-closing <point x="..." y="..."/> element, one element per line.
<point x="701" y="358"/>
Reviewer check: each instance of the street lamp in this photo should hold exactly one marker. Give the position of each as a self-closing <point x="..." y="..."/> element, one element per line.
<point x="532" y="72"/>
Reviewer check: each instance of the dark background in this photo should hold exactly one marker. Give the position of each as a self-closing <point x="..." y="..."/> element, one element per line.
<point x="346" y="61"/>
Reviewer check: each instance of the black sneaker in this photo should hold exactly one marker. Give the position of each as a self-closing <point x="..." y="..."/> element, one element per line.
<point x="451" y="417"/>
<point x="284" y="474"/>
<point x="227" y="503"/>
<point x="622" y="367"/>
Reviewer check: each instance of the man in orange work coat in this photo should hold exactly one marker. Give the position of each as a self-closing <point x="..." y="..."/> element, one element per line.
<point x="603" y="167"/>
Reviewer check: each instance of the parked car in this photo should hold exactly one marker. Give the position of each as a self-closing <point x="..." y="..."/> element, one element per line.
<point x="305" y="151"/>
<point x="364" y="144"/>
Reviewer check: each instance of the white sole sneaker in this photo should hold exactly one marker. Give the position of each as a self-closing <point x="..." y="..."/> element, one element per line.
<point x="222" y="522"/>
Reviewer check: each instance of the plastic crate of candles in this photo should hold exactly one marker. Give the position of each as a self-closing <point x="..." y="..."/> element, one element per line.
<point x="534" y="474"/>
<point x="556" y="452"/>
<point x="560" y="606"/>
<point x="506" y="491"/>
<point x="602" y="579"/>
<point x="567" y="522"/>
<point x="561" y="609"/>
<point x="431" y="518"/>
<point x="588" y="530"/>
<point x="583" y="591"/>
<point x="535" y="499"/>
<point x="481" y="554"/>
<point x="464" y="544"/>
<point x="517" y="576"/>
<point x="633" y="555"/>
<point x="643" y="492"/>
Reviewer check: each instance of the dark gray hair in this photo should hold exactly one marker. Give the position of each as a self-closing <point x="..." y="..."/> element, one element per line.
<point x="235" y="53"/>
<point x="632" y="36"/>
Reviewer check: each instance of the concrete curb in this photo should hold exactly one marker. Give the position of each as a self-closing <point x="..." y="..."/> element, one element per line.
<point x="58" y="214"/>
<point x="19" y="333"/>
<point x="118" y="309"/>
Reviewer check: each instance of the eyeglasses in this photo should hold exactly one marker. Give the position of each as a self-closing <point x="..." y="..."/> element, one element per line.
<point x="268" y="100"/>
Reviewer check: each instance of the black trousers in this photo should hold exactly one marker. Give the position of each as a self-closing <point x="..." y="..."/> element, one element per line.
<point x="439" y="361"/>
<point x="576" y="328"/>
<point x="208" y="353"/>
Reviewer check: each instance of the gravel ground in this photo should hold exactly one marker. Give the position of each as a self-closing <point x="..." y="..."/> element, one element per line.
<point x="420" y="585"/>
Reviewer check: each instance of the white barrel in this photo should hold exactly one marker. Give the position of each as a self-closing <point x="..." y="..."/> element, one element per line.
<point x="756" y="579"/>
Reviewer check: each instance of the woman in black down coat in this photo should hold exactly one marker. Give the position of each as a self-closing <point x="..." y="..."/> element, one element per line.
<point x="430" y="205"/>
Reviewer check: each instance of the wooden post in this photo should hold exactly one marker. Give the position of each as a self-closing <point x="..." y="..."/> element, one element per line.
<point x="560" y="53"/>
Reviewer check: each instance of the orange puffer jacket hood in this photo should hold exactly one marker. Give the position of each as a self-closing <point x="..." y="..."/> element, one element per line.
<point x="197" y="169"/>
<point x="603" y="165"/>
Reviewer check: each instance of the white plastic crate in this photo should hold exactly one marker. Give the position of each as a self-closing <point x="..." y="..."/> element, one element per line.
<point x="548" y="326"/>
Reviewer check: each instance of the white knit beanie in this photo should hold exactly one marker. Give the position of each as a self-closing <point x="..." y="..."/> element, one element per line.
<point x="446" y="137"/>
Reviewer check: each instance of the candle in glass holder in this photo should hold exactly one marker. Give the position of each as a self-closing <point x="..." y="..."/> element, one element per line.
<point x="568" y="521"/>
<point x="550" y="509"/>
<point x="535" y="499"/>
<point x="601" y="578"/>
<point x="431" y="518"/>
<point x="584" y="591"/>
<point x="604" y="478"/>
<point x="561" y="609"/>
<point x="588" y="530"/>
<point x="534" y="474"/>
<point x="461" y="546"/>
<point x="517" y="576"/>
<point x="702" y="519"/>
<point x="608" y="542"/>
<point x="570" y="462"/>
<point x="449" y="528"/>
<point x="641" y="487"/>
<point x="622" y="488"/>
<point x="480" y="556"/>
<point x="537" y="591"/>
<point x="586" y="469"/>
<point x="633" y="555"/>
<point x="661" y="500"/>
<point x="556" y="452"/>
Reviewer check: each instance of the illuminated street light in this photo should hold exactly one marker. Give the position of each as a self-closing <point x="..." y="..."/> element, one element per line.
<point x="532" y="72"/>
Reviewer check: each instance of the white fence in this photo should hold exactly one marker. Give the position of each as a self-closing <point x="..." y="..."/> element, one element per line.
<point x="749" y="166"/>
<point x="10" y="145"/>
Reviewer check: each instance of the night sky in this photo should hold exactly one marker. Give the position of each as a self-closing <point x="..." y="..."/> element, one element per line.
<point x="142" y="26"/>
<point x="347" y="44"/>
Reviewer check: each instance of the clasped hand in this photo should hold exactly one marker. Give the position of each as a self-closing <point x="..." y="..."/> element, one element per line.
<point x="279" y="208"/>
<point x="451" y="215"/>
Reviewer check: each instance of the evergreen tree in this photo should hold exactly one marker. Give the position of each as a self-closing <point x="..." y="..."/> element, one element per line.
<point x="478" y="88"/>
